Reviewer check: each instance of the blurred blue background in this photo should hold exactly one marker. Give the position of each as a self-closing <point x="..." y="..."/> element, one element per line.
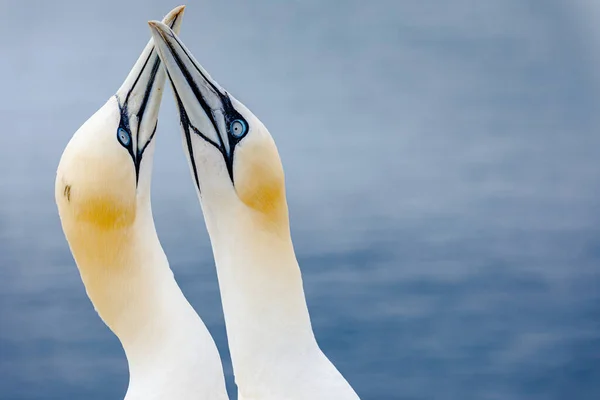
<point x="443" y="175"/>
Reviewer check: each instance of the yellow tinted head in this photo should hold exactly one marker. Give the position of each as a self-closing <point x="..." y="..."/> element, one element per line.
<point x="258" y="177"/>
<point x="96" y="177"/>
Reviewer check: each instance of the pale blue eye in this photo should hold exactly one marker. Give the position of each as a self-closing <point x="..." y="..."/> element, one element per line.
<point x="238" y="128"/>
<point x="123" y="137"/>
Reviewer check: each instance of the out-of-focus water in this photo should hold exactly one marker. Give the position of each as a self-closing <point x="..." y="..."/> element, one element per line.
<point x="443" y="175"/>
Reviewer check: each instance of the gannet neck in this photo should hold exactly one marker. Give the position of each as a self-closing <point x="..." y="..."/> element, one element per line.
<point x="272" y="344"/>
<point x="127" y="277"/>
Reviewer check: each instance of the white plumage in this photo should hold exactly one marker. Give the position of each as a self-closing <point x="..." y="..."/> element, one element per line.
<point x="103" y="198"/>
<point x="240" y="182"/>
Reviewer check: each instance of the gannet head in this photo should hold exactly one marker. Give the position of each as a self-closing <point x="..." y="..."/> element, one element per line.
<point x="104" y="174"/>
<point x="233" y="159"/>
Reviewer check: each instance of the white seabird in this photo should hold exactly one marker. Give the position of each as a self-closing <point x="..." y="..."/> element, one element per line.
<point x="240" y="183"/>
<point x="103" y="196"/>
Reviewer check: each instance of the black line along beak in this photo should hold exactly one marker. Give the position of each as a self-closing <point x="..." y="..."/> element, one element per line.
<point x="140" y="95"/>
<point x="205" y="108"/>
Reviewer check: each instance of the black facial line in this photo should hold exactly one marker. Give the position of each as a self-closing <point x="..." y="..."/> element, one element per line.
<point x="148" y="90"/>
<point x="216" y="90"/>
<point x="185" y="124"/>
<point x="141" y="152"/>
<point x="142" y="109"/>
<point x="139" y="75"/>
<point x="197" y="93"/>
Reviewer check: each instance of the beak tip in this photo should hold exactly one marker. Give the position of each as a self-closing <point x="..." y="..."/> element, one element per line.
<point x="160" y="30"/>
<point x="176" y="12"/>
<point x="155" y="25"/>
<point x="173" y="18"/>
<point x="154" y="29"/>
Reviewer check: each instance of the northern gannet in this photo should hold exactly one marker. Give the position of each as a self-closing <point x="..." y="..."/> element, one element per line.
<point x="102" y="191"/>
<point x="239" y="179"/>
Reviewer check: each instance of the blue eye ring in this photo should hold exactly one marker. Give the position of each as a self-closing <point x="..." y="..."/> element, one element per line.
<point x="238" y="128"/>
<point x="123" y="137"/>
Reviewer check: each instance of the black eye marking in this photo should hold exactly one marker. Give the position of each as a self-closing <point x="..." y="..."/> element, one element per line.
<point x="124" y="133"/>
<point x="67" y="192"/>
<point x="124" y="137"/>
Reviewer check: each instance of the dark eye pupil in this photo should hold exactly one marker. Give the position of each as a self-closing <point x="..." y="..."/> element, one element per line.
<point x="238" y="128"/>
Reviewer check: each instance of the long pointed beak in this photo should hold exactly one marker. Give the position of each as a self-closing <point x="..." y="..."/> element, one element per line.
<point x="205" y="108"/>
<point x="140" y="95"/>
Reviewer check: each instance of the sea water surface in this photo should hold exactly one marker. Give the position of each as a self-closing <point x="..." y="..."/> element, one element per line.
<point x="443" y="174"/>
